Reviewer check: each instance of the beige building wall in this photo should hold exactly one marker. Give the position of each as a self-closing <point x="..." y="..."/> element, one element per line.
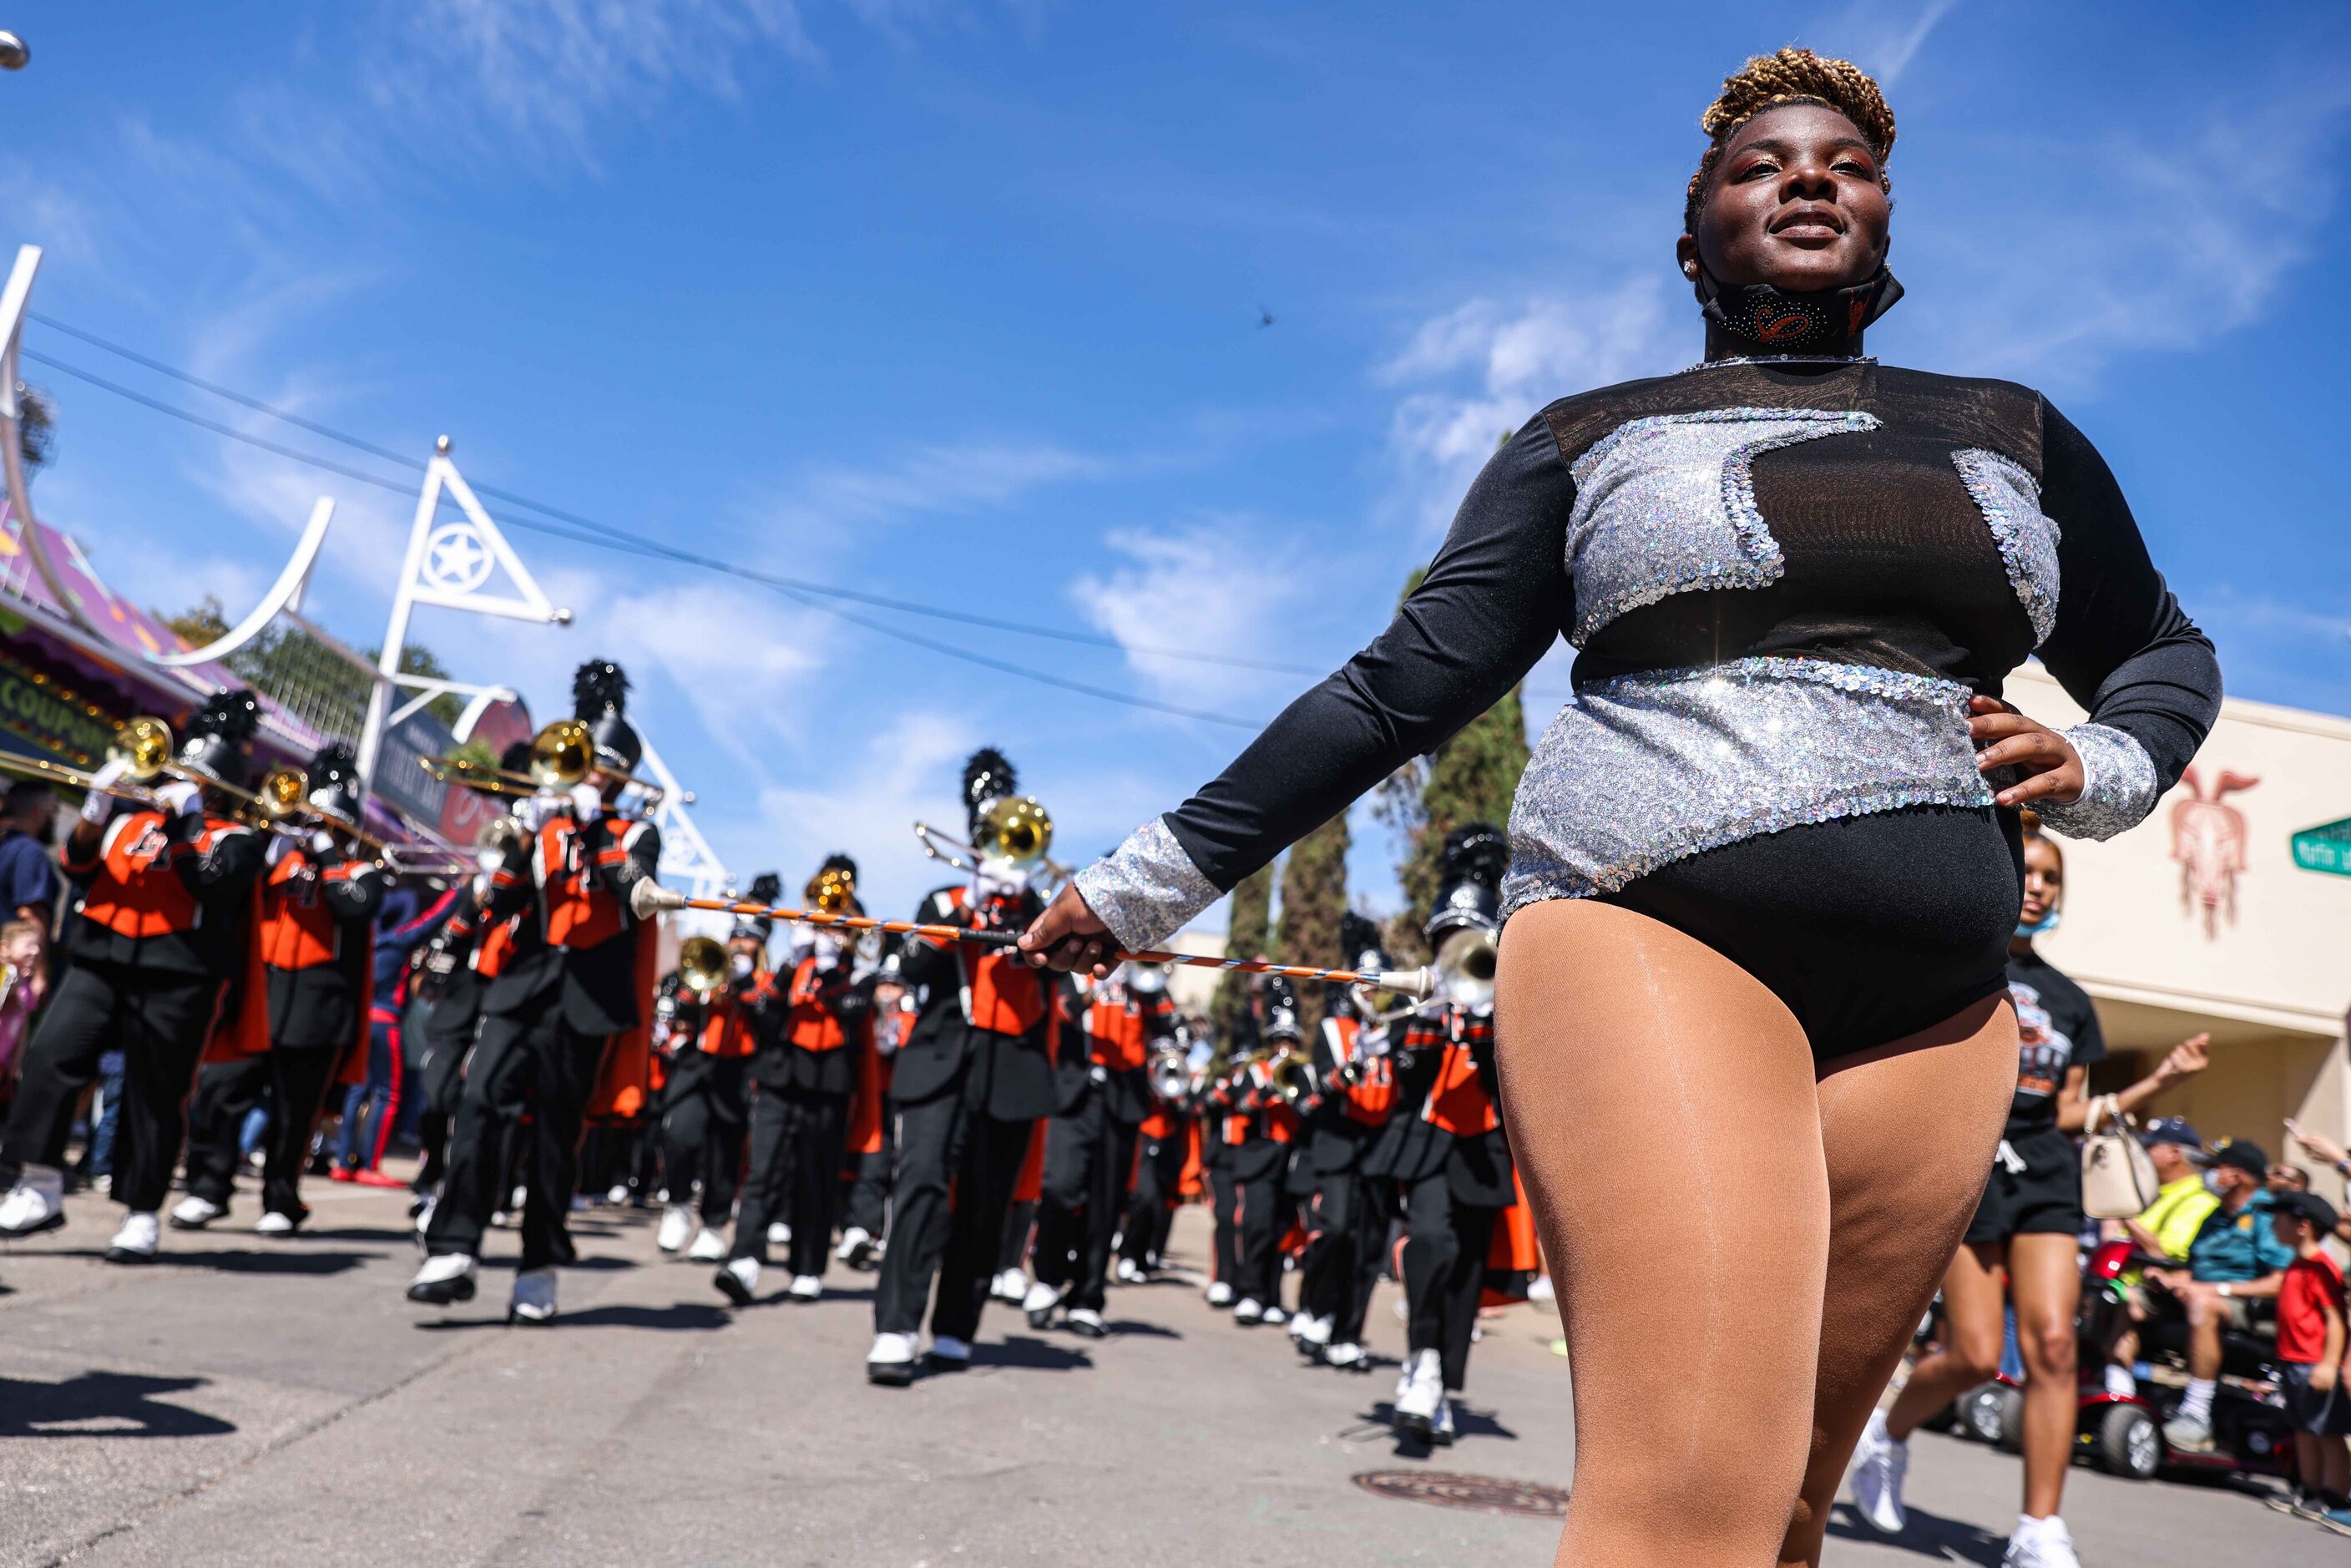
<point x="2264" y="965"/>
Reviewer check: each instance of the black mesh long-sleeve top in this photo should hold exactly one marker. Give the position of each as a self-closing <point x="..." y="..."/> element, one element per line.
<point x="1784" y="580"/>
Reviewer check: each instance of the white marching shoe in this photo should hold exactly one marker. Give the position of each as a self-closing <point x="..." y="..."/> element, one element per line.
<point x="273" y="1224"/>
<point x="806" y="1288"/>
<point x="676" y="1226"/>
<point x="891" y="1361"/>
<point x="779" y="1234"/>
<point x="533" y="1301"/>
<point x="1879" y="1464"/>
<point x="1087" y="1324"/>
<point x="1310" y="1335"/>
<point x="1130" y="1272"/>
<point x="1011" y="1285"/>
<point x="618" y="1195"/>
<point x="1421" y="1393"/>
<point x="1348" y="1357"/>
<point x="135" y="1243"/>
<point x="36" y="1203"/>
<point x="856" y="1246"/>
<point x="950" y="1354"/>
<point x="2041" y="1544"/>
<point x="738" y="1281"/>
<point x="1275" y="1315"/>
<point x="1220" y="1294"/>
<point x="1249" y="1310"/>
<point x="194" y="1213"/>
<point x="709" y="1247"/>
<point x="1440" y="1431"/>
<point x="1040" y="1302"/>
<point x="444" y="1278"/>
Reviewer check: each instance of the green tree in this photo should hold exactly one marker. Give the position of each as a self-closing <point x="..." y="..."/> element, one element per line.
<point x="295" y="669"/>
<point x="1314" y="897"/>
<point x="1246" y="930"/>
<point x="1469" y="778"/>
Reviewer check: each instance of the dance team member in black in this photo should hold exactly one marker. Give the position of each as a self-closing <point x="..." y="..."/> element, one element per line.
<point x="1347" y="1224"/>
<point x="972" y="1079"/>
<point x="316" y="924"/>
<point x="1765" y="861"/>
<point x="1090" y="1146"/>
<point x="569" y="985"/>
<point x="815" y="1075"/>
<point x="1443" y="1150"/>
<point x="164" y="918"/>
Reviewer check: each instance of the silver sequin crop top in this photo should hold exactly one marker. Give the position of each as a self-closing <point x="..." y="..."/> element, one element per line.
<point x="1783" y="582"/>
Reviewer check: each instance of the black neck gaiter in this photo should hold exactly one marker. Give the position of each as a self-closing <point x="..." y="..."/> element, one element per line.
<point x="1813" y="321"/>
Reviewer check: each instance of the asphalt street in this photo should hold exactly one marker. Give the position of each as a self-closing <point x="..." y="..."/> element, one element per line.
<point x="251" y="1402"/>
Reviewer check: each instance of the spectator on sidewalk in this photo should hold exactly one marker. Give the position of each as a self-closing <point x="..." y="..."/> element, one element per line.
<point x="25" y="982"/>
<point x="2310" y="1348"/>
<point x="2235" y="1260"/>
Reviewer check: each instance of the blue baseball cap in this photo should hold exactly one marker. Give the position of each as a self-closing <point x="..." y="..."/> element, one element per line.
<point x="2172" y="1129"/>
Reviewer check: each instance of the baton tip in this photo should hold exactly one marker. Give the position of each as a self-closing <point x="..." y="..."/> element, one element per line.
<point x="649" y="898"/>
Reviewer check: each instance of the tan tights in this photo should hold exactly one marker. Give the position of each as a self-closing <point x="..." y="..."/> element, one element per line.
<point x="1742" y="1244"/>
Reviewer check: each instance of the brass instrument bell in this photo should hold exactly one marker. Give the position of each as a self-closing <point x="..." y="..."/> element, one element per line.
<point x="562" y="754"/>
<point x="1016" y="829"/>
<point x="284" y="794"/>
<point x="702" y="965"/>
<point x="145" y="743"/>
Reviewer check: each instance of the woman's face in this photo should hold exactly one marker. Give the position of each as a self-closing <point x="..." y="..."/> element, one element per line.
<point x="1794" y="202"/>
<point x="2044" y="880"/>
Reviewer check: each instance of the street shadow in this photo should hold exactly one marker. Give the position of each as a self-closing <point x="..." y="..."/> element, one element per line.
<point x="1925" y="1535"/>
<point x="1029" y="1355"/>
<point x="274" y="1261"/>
<point x="103" y="1404"/>
<point x="1467" y="1423"/>
<point x="357" y="1233"/>
<point x="1135" y="1328"/>
<point x="683" y="1317"/>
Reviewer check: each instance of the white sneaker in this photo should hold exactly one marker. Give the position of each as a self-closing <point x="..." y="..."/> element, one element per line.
<point x="1313" y="1336"/>
<point x="2041" y="1544"/>
<point x="806" y="1287"/>
<point x="676" y="1226"/>
<point x="1421" y="1393"/>
<point x="854" y="1241"/>
<point x="1347" y="1357"/>
<point x="779" y="1234"/>
<point x="271" y="1224"/>
<point x="891" y="1361"/>
<point x="1249" y="1310"/>
<point x="2120" y="1383"/>
<point x="1040" y="1302"/>
<point x="738" y="1281"/>
<point x="135" y="1243"/>
<point x="1880" y="1463"/>
<point x="425" y="1208"/>
<point x="950" y="1354"/>
<point x="1130" y="1272"/>
<point x="1440" y="1431"/>
<point x="1011" y="1285"/>
<point x="1087" y="1322"/>
<point x="1299" y="1323"/>
<point x="194" y="1213"/>
<point x="1540" y="1289"/>
<point x="533" y="1301"/>
<point x="709" y="1247"/>
<point x="1276" y="1316"/>
<point x="1220" y="1294"/>
<point x="446" y="1278"/>
<point x="618" y="1193"/>
<point x="36" y="1203"/>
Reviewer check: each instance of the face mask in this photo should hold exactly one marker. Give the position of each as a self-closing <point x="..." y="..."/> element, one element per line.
<point x="1810" y="322"/>
<point x="2041" y="928"/>
<point x="740" y="966"/>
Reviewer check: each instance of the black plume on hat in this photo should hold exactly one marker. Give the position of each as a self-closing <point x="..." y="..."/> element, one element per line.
<point x="516" y="758"/>
<point x="217" y="735"/>
<point x="334" y="763"/>
<point x="599" y="687"/>
<point x="989" y="776"/>
<point x="1358" y="935"/>
<point x="1478" y="853"/>
<point x="839" y="863"/>
<point x="766" y="888"/>
<point x="1279" y="993"/>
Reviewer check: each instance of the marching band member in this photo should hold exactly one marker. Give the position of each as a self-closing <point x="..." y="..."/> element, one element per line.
<point x="167" y="897"/>
<point x="1443" y="1147"/>
<point x="866" y="1212"/>
<point x="568" y="986"/>
<point x="1260" y="1127"/>
<point x="974" y="1076"/>
<point x="816" y="1081"/>
<point x="1164" y="1146"/>
<point x="1090" y="1146"/>
<point x="316" y="924"/>
<point x="706" y="1112"/>
<point x="1349" y="1218"/>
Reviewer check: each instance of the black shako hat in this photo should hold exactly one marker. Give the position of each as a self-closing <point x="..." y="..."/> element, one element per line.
<point x="766" y="888"/>
<point x="987" y="776"/>
<point x="1469" y="891"/>
<point x="218" y="734"/>
<point x="600" y="692"/>
<point x="334" y="783"/>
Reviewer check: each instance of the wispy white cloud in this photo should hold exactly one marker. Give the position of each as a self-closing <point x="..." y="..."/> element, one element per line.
<point x="1882" y="38"/>
<point x="1220" y="586"/>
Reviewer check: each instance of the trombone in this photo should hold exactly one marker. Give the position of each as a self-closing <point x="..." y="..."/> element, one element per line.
<point x="144" y="742"/>
<point x="1014" y="828"/>
<point x="562" y="756"/>
<point x="702" y="967"/>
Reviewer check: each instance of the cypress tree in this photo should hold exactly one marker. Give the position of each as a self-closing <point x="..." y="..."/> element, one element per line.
<point x="1245" y="938"/>
<point x="1314" y="897"/>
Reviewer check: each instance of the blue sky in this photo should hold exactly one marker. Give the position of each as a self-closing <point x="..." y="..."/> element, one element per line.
<point x="962" y="302"/>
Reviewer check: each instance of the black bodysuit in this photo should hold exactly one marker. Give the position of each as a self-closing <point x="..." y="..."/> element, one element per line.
<point x="1784" y="580"/>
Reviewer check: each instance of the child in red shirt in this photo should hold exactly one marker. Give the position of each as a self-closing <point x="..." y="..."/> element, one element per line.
<point x="2310" y="1346"/>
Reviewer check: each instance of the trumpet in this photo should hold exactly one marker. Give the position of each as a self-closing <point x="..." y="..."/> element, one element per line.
<point x="1288" y="1072"/>
<point x="1171" y="1072"/>
<point x="562" y="756"/>
<point x="1464" y="967"/>
<point x="1013" y="829"/>
<point x="702" y="967"/>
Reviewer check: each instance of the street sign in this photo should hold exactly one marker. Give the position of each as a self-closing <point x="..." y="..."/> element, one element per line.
<point x="2326" y="847"/>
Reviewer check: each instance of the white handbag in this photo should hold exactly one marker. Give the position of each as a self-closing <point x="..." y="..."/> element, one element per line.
<point x="2118" y="1180"/>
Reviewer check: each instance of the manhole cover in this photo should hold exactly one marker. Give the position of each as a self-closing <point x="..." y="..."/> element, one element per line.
<point x="1486" y="1494"/>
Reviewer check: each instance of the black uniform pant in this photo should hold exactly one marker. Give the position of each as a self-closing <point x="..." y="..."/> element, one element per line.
<point x="956" y="1169"/>
<point x="1150" y="1210"/>
<point x="1088" y="1154"/>
<point x="1445" y="1248"/>
<point x="1224" y="1208"/>
<point x="867" y="1207"/>
<point x="1266" y="1209"/>
<point x="160" y="1023"/>
<point x="798" y="1139"/>
<point x="703" y="1118"/>
<point x="1343" y="1259"/>
<point x="533" y="1061"/>
<point x="441" y="1080"/>
<point x="295" y="1079"/>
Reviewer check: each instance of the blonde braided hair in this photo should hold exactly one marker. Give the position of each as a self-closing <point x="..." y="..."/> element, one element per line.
<point x="1791" y="75"/>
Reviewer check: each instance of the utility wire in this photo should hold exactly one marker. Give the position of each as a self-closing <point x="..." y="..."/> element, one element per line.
<point x="631" y="545"/>
<point x="804" y="585"/>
